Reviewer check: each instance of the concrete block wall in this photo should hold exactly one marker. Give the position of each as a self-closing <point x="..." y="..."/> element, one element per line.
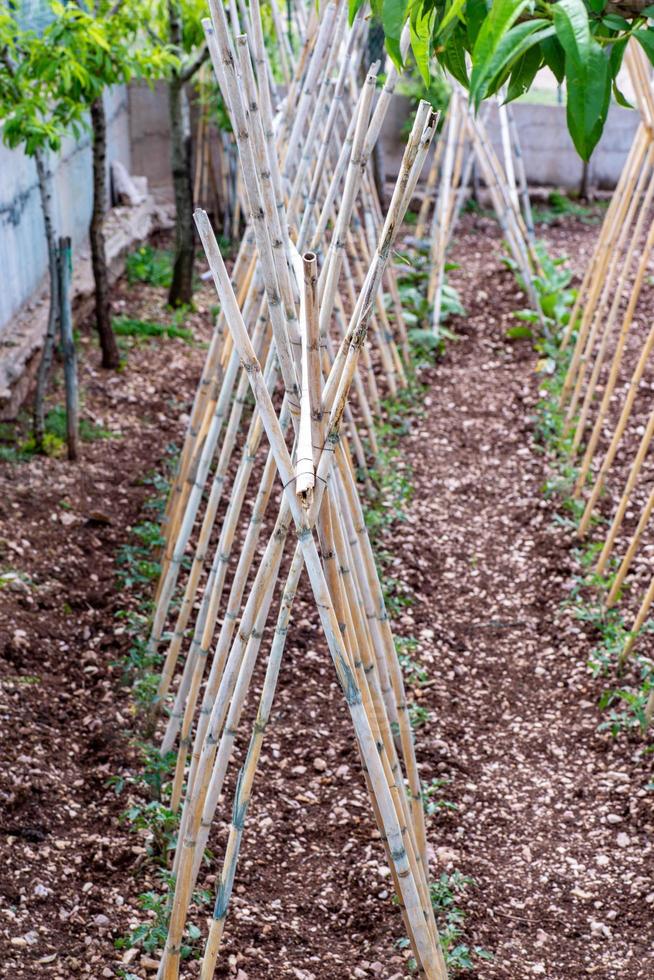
<point x="149" y="127"/>
<point x="550" y="157"/>
<point x="23" y="253"/>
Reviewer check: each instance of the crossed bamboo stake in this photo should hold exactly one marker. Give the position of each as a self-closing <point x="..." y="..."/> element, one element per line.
<point x="618" y="266"/>
<point x="389" y="800"/>
<point x="354" y="618"/>
<point x="198" y="470"/>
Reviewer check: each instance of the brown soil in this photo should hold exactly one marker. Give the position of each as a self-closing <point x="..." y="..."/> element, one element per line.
<point x="553" y="820"/>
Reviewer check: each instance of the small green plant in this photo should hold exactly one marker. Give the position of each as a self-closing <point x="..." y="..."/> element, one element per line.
<point x="414" y="672"/>
<point x="125" y="326"/>
<point x="432" y="798"/>
<point x="418" y="715"/>
<point x="445" y="894"/>
<point x="413" y="269"/>
<point x="54" y="439"/>
<point x="561" y="206"/>
<point x="151" y="935"/>
<point x="151" y="265"/>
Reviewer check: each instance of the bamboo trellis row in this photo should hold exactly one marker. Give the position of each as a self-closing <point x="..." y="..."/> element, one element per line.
<point x="302" y="326"/>
<point x="187" y="493"/>
<point x="604" y="314"/>
<point x="465" y="143"/>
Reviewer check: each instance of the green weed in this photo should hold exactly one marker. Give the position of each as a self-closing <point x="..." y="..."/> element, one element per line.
<point x="561" y="206"/>
<point x="151" y="265"/>
<point x="445" y="894"/>
<point x="125" y="326"/>
<point x="432" y="798"/>
<point x="54" y="443"/>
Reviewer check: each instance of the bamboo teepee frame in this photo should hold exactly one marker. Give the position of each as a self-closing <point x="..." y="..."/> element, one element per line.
<point x="603" y="322"/>
<point x="302" y="325"/>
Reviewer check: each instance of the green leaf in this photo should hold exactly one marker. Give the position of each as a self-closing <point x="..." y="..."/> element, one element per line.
<point x="597" y="6"/>
<point x="620" y="98"/>
<point x="513" y="45"/>
<point x="524" y="72"/>
<point x="615" y="23"/>
<point x="500" y="19"/>
<point x="454" y="11"/>
<point x="587" y="75"/>
<point x="554" y="57"/>
<point x="476" y="11"/>
<point x="519" y="333"/>
<point x="454" y="56"/>
<point x="646" y="40"/>
<point x="420" y="27"/>
<point x="394" y="15"/>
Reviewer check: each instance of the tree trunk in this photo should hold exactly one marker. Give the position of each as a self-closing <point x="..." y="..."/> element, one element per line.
<point x="68" y="348"/>
<point x="49" y="341"/>
<point x="585" y="193"/>
<point x="181" y="287"/>
<point x="110" y="354"/>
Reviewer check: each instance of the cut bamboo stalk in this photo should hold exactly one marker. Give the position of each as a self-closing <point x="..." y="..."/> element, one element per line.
<point x="430" y="187"/>
<point x="507" y="153"/>
<point x="523" y="186"/>
<point x="310" y="406"/>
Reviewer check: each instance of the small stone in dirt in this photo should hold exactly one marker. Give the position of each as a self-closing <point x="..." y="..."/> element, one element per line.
<point x="602" y="860"/>
<point x="319" y="764"/>
<point x="101" y="921"/>
<point x="41" y="891"/>
<point x="613" y="818"/>
<point x="622" y="840"/>
<point x="241" y="975"/>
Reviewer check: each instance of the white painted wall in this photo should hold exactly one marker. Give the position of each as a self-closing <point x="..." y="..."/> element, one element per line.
<point x="23" y="253"/>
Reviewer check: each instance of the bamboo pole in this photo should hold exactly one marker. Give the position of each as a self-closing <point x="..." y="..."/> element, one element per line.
<point x="310" y="404"/>
<point x="429" y="956"/>
<point x="607" y="462"/>
<point x="614" y="222"/>
<point x="607" y="326"/>
<point x="615" y="365"/>
<point x="626" y="495"/>
<point x="638" y="624"/>
<point x="630" y="553"/>
<point x="346" y="364"/>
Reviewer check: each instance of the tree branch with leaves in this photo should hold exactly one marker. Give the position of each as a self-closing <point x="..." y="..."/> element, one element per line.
<point x="488" y="45"/>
